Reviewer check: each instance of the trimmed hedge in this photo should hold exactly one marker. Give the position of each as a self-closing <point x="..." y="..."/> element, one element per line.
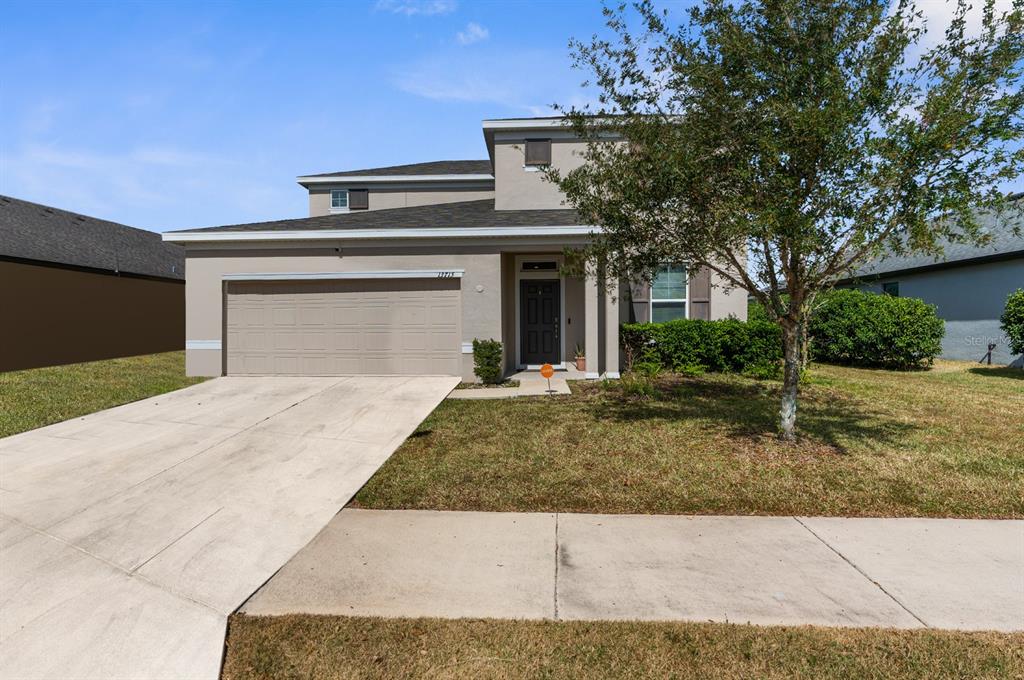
<point x="1012" y="320"/>
<point x="487" y="361"/>
<point x="688" y="345"/>
<point x="867" y="329"/>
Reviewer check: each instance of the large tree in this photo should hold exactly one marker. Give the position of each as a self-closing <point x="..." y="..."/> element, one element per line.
<point x="781" y="143"/>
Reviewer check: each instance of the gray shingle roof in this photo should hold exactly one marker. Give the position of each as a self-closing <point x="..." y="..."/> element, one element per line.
<point x="482" y="167"/>
<point x="469" y="214"/>
<point x="31" y="231"/>
<point x="1007" y="234"/>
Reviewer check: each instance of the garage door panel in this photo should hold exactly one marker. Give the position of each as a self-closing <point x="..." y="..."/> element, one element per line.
<point x="348" y="327"/>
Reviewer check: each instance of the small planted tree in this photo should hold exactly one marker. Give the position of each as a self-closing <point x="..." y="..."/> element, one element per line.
<point x="781" y="143"/>
<point x="1012" y="321"/>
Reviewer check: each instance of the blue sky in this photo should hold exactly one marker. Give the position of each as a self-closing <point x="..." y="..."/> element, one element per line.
<point x="172" y="115"/>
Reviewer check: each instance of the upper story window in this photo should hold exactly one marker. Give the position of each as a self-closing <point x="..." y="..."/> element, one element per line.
<point x="668" y="293"/>
<point x="339" y="199"/>
<point x="538" y="152"/>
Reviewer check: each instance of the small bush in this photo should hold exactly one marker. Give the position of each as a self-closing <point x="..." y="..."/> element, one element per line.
<point x="866" y="329"/>
<point x="756" y="311"/>
<point x="637" y="385"/>
<point x="694" y="346"/>
<point x="487" y="361"/>
<point x="1012" y="321"/>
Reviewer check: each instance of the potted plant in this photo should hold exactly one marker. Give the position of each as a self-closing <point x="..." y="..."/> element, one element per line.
<point x="581" y="359"/>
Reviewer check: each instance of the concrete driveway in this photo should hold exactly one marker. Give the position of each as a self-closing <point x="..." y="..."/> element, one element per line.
<point x="128" y="536"/>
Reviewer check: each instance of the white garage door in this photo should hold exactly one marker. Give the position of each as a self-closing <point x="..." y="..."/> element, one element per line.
<point x="345" y="327"/>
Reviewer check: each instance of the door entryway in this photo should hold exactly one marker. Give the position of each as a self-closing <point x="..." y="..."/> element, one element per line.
<point x="539" y="317"/>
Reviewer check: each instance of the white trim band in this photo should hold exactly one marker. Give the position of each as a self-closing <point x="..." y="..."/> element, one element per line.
<point x="369" y="234"/>
<point x="366" y="179"/>
<point x="317" y="276"/>
<point x="202" y="344"/>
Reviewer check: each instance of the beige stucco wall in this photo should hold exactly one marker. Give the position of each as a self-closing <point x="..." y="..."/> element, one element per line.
<point x="204" y="319"/>
<point x="519" y="188"/>
<point x="383" y="198"/>
<point x="726" y="302"/>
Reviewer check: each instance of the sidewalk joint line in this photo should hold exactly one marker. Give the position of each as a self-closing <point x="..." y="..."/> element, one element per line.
<point x="113" y="565"/>
<point x="863" y="573"/>
<point x="557" y="557"/>
<point x="187" y="532"/>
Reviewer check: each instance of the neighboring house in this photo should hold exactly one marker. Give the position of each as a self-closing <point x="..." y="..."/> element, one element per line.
<point x="76" y="288"/>
<point x="398" y="269"/>
<point x="968" y="285"/>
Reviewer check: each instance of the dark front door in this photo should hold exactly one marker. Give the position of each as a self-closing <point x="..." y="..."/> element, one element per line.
<point x="539" y="317"/>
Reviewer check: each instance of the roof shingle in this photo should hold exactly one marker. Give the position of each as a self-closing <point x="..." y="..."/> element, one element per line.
<point x="1007" y="236"/>
<point x="468" y="214"/>
<point x="30" y="231"/>
<point x="482" y="167"/>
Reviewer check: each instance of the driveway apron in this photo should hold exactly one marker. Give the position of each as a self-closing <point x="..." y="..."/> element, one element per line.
<point x="127" y="536"/>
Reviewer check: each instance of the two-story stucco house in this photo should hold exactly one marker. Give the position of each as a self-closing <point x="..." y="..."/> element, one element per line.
<point x="396" y="270"/>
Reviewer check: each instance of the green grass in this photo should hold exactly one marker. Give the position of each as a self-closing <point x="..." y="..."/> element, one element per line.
<point x="318" y="647"/>
<point x="939" y="443"/>
<point x="41" y="396"/>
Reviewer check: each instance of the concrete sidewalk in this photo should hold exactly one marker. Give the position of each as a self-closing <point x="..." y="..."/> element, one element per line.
<point x="902" y="573"/>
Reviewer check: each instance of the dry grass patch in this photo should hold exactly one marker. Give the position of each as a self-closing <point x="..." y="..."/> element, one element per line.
<point x="936" y="443"/>
<point x="324" y="647"/>
<point x="42" y="396"/>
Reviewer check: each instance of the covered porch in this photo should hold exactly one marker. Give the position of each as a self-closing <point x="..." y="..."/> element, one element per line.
<point x="548" y="316"/>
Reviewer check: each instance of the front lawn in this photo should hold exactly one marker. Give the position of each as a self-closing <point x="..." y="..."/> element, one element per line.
<point x="939" y="443"/>
<point x="339" y="647"/>
<point x="41" y="396"/>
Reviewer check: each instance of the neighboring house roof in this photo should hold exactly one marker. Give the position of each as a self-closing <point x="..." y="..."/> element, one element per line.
<point x="463" y="214"/>
<point x="1007" y="242"/>
<point x="481" y="167"/>
<point x="30" y="231"/>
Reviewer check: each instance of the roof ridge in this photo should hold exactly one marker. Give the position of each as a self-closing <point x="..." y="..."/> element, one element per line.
<point x="483" y="165"/>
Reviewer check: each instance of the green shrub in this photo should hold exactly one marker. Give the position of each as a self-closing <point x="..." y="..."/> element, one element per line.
<point x="694" y="345"/>
<point x="487" y="361"/>
<point x="866" y="329"/>
<point x="756" y="311"/>
<point x="1012" y="321"/>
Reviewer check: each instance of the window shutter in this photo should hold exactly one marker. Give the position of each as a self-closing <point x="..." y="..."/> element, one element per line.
<point x="700" y="293"/>
<point x="538" y="152"/>
<point x="358" y="199"/>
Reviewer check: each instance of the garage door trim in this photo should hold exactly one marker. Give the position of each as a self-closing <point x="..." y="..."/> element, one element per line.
<point x="319" y="276"/>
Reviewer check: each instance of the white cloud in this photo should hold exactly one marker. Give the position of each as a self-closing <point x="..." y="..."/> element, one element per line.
<point x="531" y="82"/>
<point x="169" y="187"/>
<point x="938" y="14"/>
<point x="411" y="8"/>
<point x="473" y="33"/>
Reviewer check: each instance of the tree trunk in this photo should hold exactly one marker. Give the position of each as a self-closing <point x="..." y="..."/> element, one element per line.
<point x="792" y="351"/>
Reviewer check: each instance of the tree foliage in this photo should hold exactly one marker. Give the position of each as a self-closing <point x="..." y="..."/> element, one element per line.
<point x="782" y="143"/>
